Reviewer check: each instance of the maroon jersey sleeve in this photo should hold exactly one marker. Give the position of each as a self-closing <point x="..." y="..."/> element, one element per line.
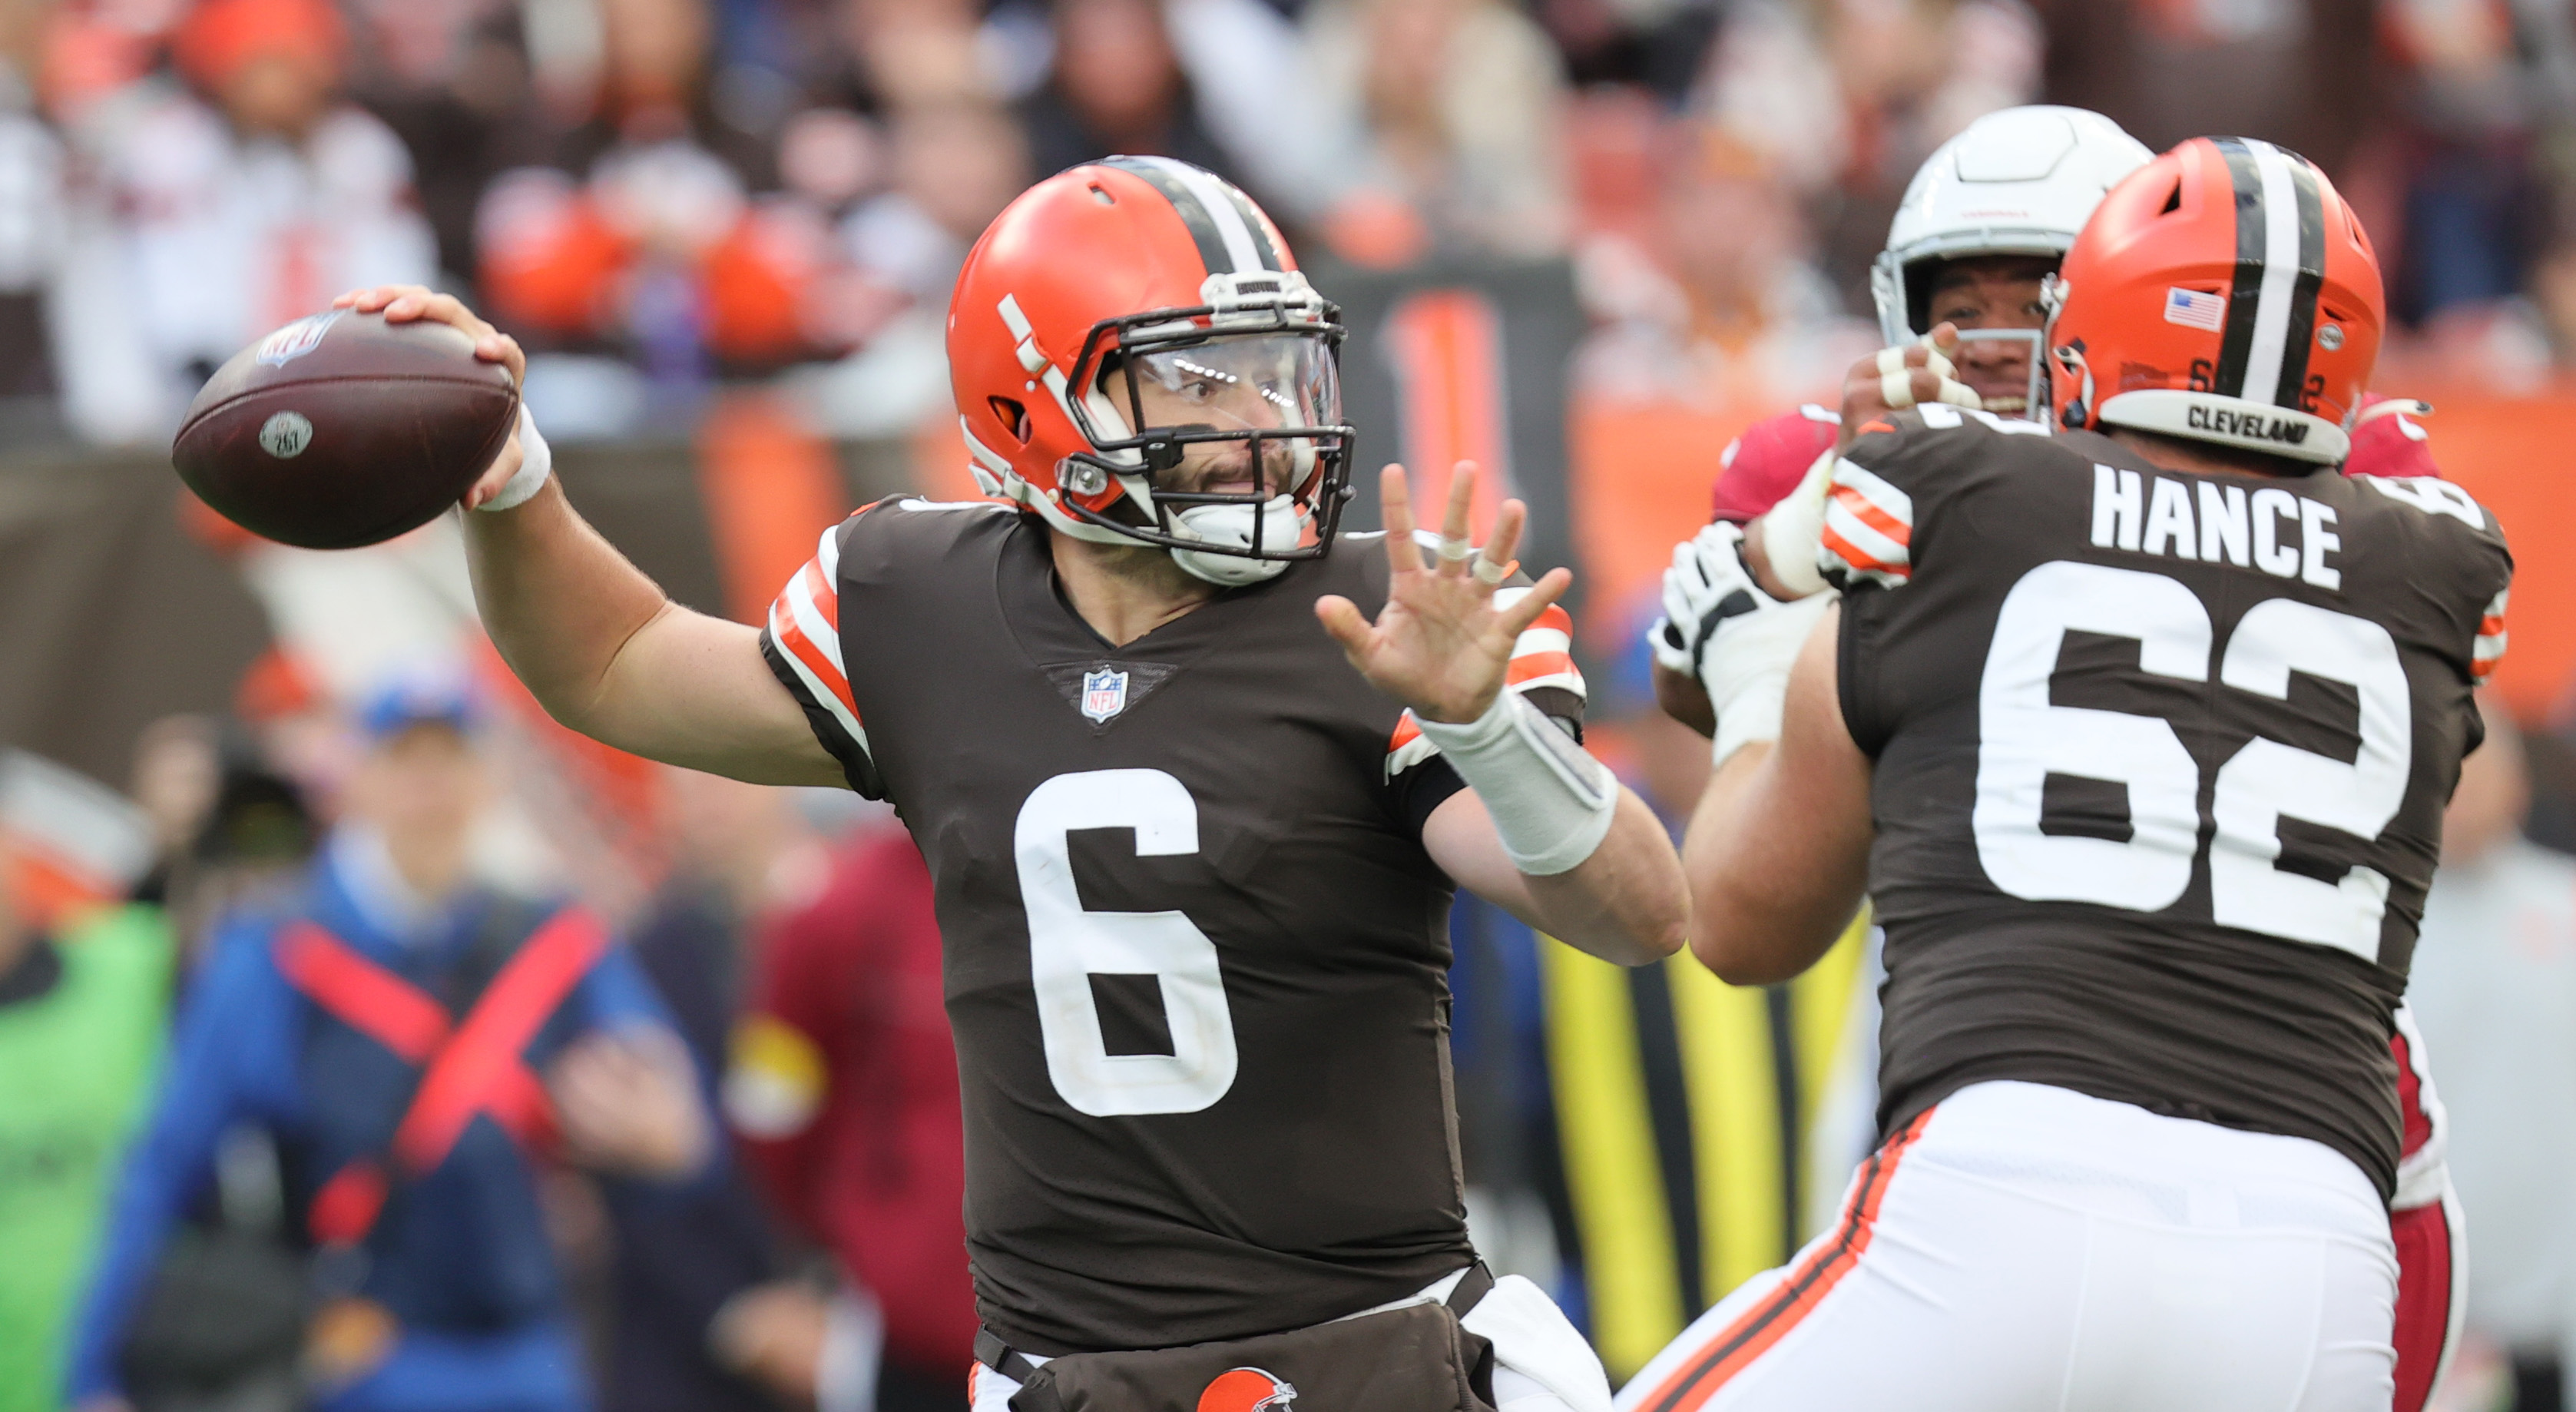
<point x="1763" y="465"/>
<point x="2389" y="439"/>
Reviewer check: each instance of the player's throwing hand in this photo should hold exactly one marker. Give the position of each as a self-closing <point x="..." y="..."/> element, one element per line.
<point x="1441" y="645"/>
<point x="404" y="303"/>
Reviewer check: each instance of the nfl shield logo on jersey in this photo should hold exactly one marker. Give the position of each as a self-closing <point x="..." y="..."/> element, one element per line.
<point x="1104" y="693"/>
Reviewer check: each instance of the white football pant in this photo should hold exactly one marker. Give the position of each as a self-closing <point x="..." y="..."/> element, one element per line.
<point x="2023" y="1248"/>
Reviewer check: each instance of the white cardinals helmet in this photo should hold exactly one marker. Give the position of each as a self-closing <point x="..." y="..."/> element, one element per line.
<point x="2019" y="181"/>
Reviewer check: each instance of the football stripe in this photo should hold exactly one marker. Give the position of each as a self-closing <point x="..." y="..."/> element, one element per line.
<point x="2300" y="336"/>
<point x="1542" y="640"/>
<point x="1861" y="545"/>
<point x="1798" y="1293"/>
<point x="1861" y="508"/>
<point x="808" y="619"/>
<point x="818" y="590"/>
<point x="1524" y="669"/>
<point x="2245" y="294"/>
<point x="1242" y="253"/>
<point x="815" y="692"/>
<point x="1194" y="214"/>
<point x="827" y="555"/>
<point x="1265" y="248"/>
<point x="829" y="686"/>
<point x="1870" y="486"/>
<point x="1856" y="562"/>
<point x="2279" y="277"/>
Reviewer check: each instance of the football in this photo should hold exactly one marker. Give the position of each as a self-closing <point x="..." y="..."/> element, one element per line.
<point x="341" y="429"/>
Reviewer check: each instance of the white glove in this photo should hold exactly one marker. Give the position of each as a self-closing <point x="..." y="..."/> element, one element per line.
<point x="1739" y="641"/>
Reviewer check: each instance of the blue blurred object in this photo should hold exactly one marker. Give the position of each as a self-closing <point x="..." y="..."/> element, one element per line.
<point x="424" y="697"/>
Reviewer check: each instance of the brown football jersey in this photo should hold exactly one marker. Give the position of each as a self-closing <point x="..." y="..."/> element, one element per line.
<point x="1195" y="953"/>
<point x="2160" y="763"/>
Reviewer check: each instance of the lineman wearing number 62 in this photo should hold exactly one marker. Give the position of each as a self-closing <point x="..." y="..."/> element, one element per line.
<point x="2138" y="737"/>
<point x="1193" y="851"/>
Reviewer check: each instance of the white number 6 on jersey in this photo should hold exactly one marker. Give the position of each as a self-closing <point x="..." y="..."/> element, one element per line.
<point x="1068" y="946"/>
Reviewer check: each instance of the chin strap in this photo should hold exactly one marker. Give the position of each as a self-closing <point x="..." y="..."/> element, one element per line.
<point x="1281" y="521"/>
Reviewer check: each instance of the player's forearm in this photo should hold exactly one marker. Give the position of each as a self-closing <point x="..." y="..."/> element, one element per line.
<point x="1767" y="898"/>
<point x="559" y="601"/>
<point x="1684" y="698"/>
<point x="1628" y="902"/>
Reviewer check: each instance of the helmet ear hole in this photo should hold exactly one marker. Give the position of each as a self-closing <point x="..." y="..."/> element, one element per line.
<point x="1013" y="416"/>
<point x="2173" y="200"/>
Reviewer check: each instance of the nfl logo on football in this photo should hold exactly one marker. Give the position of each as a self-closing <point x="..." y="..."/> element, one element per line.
<point x="295" y="340"/>
<point x="1104" y="693"/>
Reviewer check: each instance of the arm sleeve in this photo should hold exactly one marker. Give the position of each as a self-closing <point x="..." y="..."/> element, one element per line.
<point x="1761" y="467"/>
<point x="1868" y="533"/>
<point x="802" y="645"/>
<point x="1542" y="669"/>
<point x="240" y="1007"/>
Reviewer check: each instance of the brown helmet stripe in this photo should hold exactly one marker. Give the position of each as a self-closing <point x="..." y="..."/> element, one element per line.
<point x="1193" y="212"/>
<point x="2301" y="334"/>
<point x="2245" y="298"/>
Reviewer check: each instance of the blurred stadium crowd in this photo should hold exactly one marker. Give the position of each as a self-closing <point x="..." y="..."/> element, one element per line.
<point x="669" y="199"/>
<point x="657" y="195"/>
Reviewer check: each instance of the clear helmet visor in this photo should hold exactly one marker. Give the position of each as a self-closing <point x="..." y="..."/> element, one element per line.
<point x="1244" y="384"/>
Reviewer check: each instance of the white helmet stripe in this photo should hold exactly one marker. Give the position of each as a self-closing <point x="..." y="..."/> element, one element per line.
<point x="2280" y="196"/>
<point x="1241" y="249"/>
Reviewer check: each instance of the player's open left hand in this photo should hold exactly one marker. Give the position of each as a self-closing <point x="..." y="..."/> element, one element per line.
<point x="1440" y="645"/>
<point x="404" y="303"/>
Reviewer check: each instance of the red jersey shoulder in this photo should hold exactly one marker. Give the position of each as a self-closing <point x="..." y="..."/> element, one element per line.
<point x="1761" y="467"/>
<point x="2389" y="439"/>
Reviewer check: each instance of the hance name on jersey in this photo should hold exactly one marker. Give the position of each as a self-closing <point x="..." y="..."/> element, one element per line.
<point x="2271" y="530"/>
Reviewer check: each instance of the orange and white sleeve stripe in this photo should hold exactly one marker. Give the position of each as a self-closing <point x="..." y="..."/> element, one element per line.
<point x="2490" y="644"/>
<point x="1542" y="660"/>
<point x="805" y="634"/>
<point x="1868" y="533"/>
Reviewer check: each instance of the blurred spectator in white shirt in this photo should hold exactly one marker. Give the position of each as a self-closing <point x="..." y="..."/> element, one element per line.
<point x="1448" y="120"/>
<point x="221" y="222"/>
<point x="2494" y="991"/>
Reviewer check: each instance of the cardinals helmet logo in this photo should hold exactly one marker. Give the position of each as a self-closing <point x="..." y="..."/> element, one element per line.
<point x="1247" y="1390"/>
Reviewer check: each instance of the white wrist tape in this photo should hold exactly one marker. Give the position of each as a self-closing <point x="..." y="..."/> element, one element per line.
<point x="536" y="464"/>
<point x="1746" y="670"/>
<point x="1794" y="529"/>
<point x="1551" y="802"/>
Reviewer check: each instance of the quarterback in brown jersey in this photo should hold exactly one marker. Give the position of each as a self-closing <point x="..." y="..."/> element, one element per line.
<point x="2137" y="737"/>
<point x="1195" y="780"/>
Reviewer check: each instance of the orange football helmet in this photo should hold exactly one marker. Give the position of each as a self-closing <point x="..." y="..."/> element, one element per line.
<point x="2223" y="292"/>
<point x="1137" y="359"/>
